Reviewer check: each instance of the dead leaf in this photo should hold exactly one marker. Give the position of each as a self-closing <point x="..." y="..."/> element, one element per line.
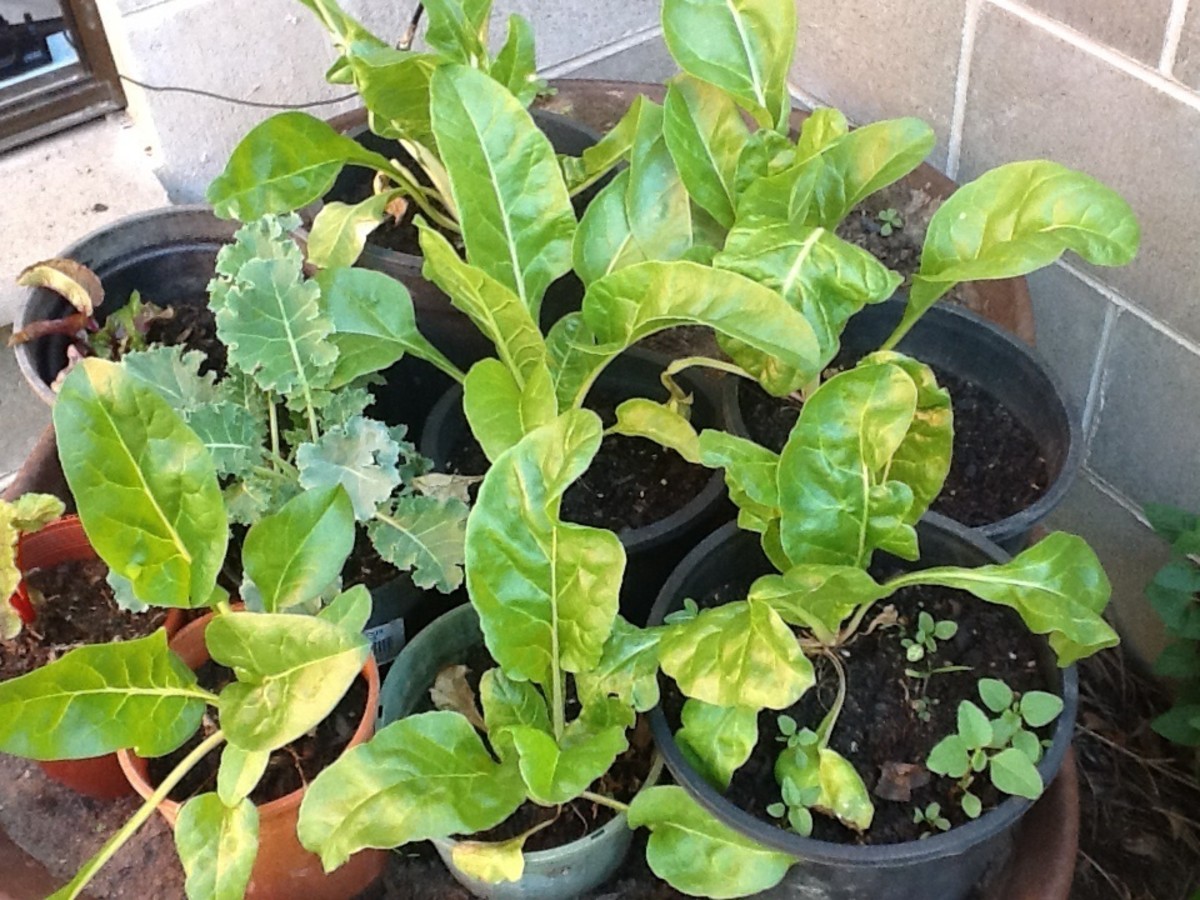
<point x="451" y="692"/>
<point x="897" y="780"/>
<point x="75" y="283"/>
<point x="886" y="618"/>
<point x="68" y="325"/>
<point x="442" y="486"/>
<point x="396" y="208"/>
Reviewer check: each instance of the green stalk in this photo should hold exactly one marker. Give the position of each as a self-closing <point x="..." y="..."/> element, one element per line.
<point x="84" y="876"/>
<point x="605" y="801"/>
<point x="408" y="183"/>
<point x="274" y="416"/>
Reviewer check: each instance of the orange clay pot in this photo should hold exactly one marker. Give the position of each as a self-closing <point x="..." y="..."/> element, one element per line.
<point x="64" y="541"/>
<point x="283" y="870"/>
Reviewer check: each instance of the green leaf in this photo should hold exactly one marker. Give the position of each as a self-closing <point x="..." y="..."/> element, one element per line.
<point x="1013" y="220"/>
<point x="705" y="134"/>
<point x="459" y="29"/>
<point x="274" y="329"/>
<point x="750" y="474"/>
<point x="818" y="597"/>
<point x="717" y="740"/>
<point x="971" y="805"/>
<point x="628" y="668"/>
<point x="339" y="231"/>
<point x="233" y="436"/>
<point x="239" y="774"/>
<point x="1027" y="742"/>
<point x="824" y="127"/>
<point x="997" y="696"/>
<point x="949" y="757"/>
<point x="559" y="772"/>
<point x="744" y="48"/>
<point x="1057" y="586"/>
<point x="657" y="422"/>
<point x="1180" y="724"/>
<point x="597" y="160"/>
<point x="1172" y="593"/>
<point x="656" y="202"/>
<point x="604" y="241"/>
<point x="98" y="699"/>
<point x="1179" y="660"/>
<point x="837" y="504"/>
<point x="1013" y="773"/>
<point x="738" y="654"/>
<point x="296" y="553"/>
<point x="546" y="591"/>
<point x="351" y="609"/>
<point x="217" y="845"/>
<point x="175" y="373"/>
<point x="512" y="201"/>
<point x="144" y="485"/>
<point x="283" y="164"/>
<point x="695" y="853"/>
<point x="424" y="535"/>
<point x="507" y="703"/>
<point x="823" y="277"/>
<point x="394" y="86"/>
<point x="426" y="776"/>
<point x="973" y="725"/>
<point x="291" y="670"/>
<point x="491" y="862"/>
<point x="864" y="161"/>
<point x="835" y="787"/>
<point x="501" y="412"/>
<point x="1170" y="522"/>
<point x="362" y="457"/>
<point x="640" y="300"/>
<point x="1040" y="708"/>
<point x="515" y="65"/>
<point x="495" y="310"/>
<point x="373" y="324"/>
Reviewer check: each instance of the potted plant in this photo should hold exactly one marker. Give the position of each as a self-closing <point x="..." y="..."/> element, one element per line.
<point x="164" y="257"/>
<point x="159" y="520"/>
<point x="772" y="682"/>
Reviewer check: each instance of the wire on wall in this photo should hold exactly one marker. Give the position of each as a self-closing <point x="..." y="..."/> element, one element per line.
<point x="237" y="101"/>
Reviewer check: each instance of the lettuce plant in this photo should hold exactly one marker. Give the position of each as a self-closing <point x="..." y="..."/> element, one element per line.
<point x="292" y="159"/>
<point x="25" y="515"/>
<point x="149" y="499"/>
<point x="289" y="417"/>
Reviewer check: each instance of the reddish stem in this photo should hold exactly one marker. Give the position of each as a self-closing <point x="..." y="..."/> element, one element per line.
<point x="20" y="602"/>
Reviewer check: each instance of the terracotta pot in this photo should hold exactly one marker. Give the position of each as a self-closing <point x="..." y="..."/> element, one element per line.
<point x="283" y="869"/>
<point x="64" y="541"/>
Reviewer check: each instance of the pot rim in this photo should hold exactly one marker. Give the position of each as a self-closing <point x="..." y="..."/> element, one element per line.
<point x="135" y="766"/>
<point x="1051" y="390"/>
<point x="645" y="537"/>
<point x="936" y="846"/>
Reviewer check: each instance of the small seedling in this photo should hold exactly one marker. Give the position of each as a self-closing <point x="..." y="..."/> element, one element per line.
<point x="890" y="220"/>
<point x="1002" y="746"/>
<point x="925" y="639"/>
<point x="931" y="816"/>
<point x="923" y="707"/>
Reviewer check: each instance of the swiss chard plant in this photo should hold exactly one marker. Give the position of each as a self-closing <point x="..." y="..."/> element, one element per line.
<point x="150" y="501"/>
<point x="1173" y="593"/>
<point x="292" y="159"/>
<point x="25" y="515"/>
<point x="289" y="415"/>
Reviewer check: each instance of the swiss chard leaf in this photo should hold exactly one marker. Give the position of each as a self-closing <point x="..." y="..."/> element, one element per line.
<point x="508" y="188"/>
<point x="153" y="509"/>
<point x="640" y="417"/>
<point x="818" y="597"/>
<point x="499" y="411"/>
<point x="628" y="668"/>
<point x="546" y="591"/>
<point x="394" y="86"/>
<point x="744" y="48"/>
<point x="292" y="671"/>
<point x="339" y="231"/>
<point x="717" y="739"/>
<point x="426" y="776"/>
<point x="507" y="703"/>
<point x="604" y="241"/>
<point x="459" y="30"/>
<point x="597" y="160"/>
<point x="217" y="846"/>
<point x="558" y="772"/>
<point x="239" y="773"/>
<point x="838" y="788"/>
<point x="738" y="654"/>
<point x="1013" y="220"/>
<point x="656" y="201"/>
<point x="515" y="65"/>
<point x="102" y="698"/>
<point x="751" y="474"/>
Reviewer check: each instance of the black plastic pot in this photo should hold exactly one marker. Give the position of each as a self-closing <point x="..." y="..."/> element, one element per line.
<point x="977" y="351"/>
<point x="167" y="254"/>
<point x="652" y="551"/>
<point x="945" y="866"/>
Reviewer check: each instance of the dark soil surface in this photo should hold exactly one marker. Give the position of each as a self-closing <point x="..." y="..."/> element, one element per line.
<point x="996" y="467"/>
<point x="289" y="769"/>
<point x="365" y="565"/>
<point x="632" y="482"/>
<point x="74" y="606"/>
<point x="880" y="725"/>
<point x="194" y="327"/>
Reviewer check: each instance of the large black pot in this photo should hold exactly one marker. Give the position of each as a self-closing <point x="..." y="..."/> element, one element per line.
<point x="652" y="551"/>
<point x="945" y="866"/>
<point x="986" y="355"/>
<point x="167" y="254"/>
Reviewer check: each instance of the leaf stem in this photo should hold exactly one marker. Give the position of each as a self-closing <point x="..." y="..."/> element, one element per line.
<point x="826" y="728"/>
<point x="275" y="455"/>
<point x="605" y="801"/>
<point x="84" y="876"/>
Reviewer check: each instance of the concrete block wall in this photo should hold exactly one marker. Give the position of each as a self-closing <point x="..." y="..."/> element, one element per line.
<point x="276" y="52"/>
<point x="1111" y="87"/>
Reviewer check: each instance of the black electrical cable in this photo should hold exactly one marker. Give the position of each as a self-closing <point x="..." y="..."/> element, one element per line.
<point x="237" y="101"/>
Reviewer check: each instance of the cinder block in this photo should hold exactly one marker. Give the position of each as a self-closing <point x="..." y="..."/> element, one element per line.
<point x="1129" y="551"/>
<point x="1147" y="439"/>
<point x="1069" y="317"/>
<point x="567" y="29"/>
<point x="648" y="61"/>
<point x="1034" y="96"/>
<point x="1187" y="57"/>
<point x="879" y="59"/>
<point x="1135" y="27"/>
